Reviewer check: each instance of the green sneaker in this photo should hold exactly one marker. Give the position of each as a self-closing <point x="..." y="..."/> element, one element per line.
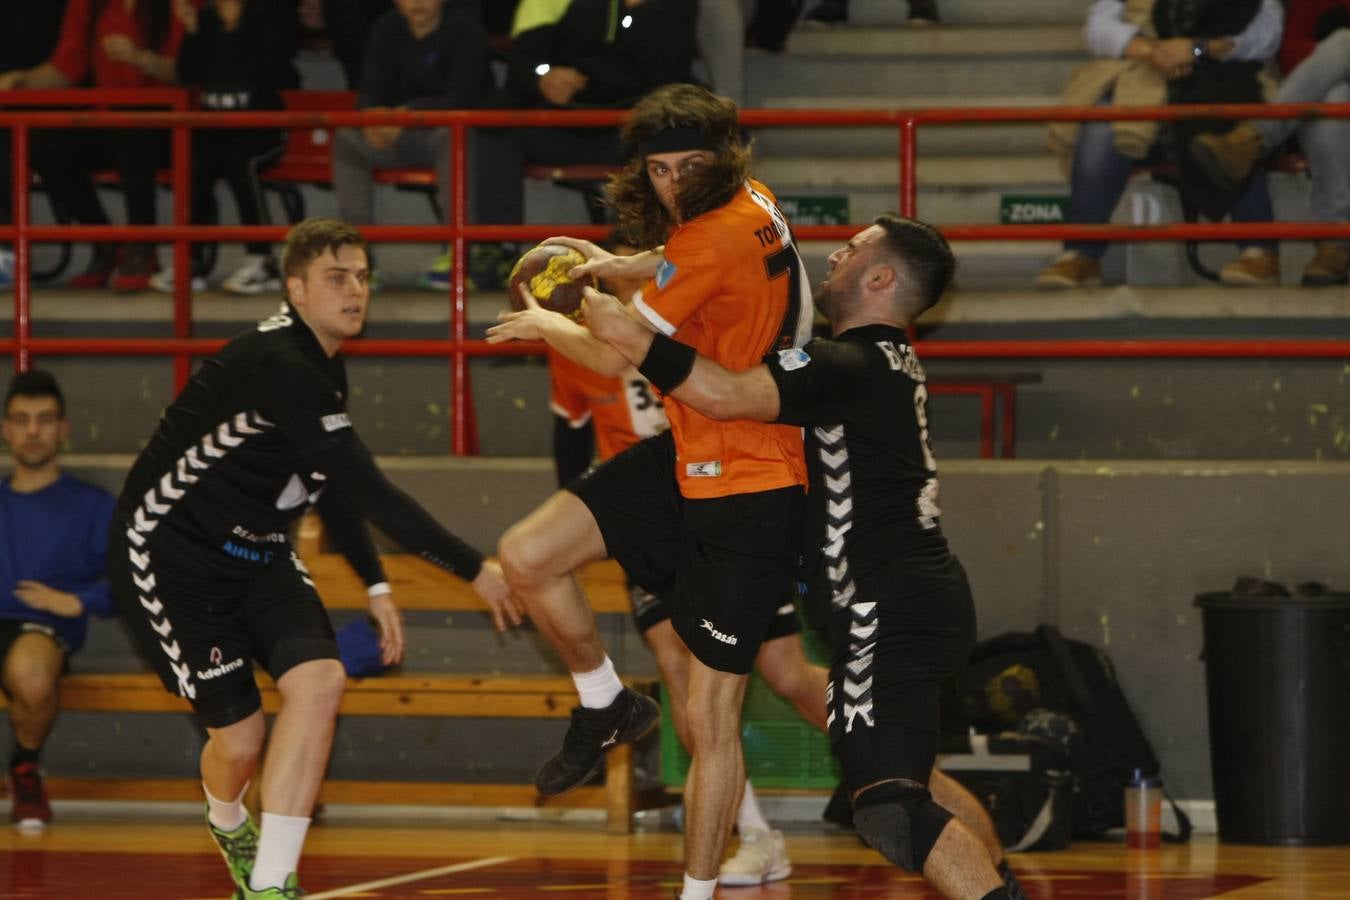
<point x="289" y="891"/>
<point x="239" y="847"/>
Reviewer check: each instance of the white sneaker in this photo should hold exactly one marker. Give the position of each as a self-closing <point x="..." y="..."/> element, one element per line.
<point x="762" y="857"/>
<point x="257" y="274"/>
<point x="163" y="281"/>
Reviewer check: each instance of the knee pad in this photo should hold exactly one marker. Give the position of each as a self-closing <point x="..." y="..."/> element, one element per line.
<point x="899" y="820"/>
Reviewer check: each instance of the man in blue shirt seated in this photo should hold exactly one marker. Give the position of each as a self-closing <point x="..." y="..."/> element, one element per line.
<point x="53" y="543"/>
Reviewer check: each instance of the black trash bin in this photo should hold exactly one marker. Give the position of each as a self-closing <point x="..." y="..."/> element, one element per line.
<point x="1278" y="677"/>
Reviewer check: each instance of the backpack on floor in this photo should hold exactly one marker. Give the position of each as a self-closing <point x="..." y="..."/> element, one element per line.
<point x="1013" y="674"/>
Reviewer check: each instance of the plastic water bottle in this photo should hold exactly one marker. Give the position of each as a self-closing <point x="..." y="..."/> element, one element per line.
<point x="1143" y="810"/>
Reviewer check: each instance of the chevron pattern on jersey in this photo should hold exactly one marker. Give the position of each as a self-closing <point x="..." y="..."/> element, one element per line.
<point x="857" y="673"/>
<point x="156" y="503"/>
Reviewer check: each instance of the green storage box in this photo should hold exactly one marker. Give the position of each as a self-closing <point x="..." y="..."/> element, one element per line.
<point x="781" y="750"/>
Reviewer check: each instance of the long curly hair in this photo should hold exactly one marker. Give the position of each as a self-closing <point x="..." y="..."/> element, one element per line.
<point x="630" y="192"/>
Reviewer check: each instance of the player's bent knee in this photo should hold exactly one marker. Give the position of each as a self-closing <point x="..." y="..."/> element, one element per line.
<point x="900" y="821"/>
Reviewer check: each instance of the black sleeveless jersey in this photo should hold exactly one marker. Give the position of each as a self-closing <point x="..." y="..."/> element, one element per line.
<point x="259" y="434"/>
<point x="873" y="499"/>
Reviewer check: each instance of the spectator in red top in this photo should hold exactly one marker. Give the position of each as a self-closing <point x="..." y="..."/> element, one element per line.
<point x="107" y="44"/>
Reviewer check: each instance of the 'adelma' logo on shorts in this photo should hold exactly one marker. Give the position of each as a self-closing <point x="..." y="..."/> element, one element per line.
<point x="725" y="638"/>
<point x="710" y="469"/>
<point x="217" y="667"/>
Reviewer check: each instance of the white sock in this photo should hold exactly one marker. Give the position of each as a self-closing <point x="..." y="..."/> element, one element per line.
<point x="227" y="815"/>
<point x="696" y="889"/>
<point x="749" y="815"/>
<point x="279" y="846"/>
<point x="598" y="689"/>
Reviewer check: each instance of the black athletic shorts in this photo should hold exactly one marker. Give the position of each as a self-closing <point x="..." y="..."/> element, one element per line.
<point x="13" y="629"/>
<point x="725" y="565"/>
<point x="892" y="653"/>
<point x="203" y="616"/>
<point x="650" y="610"/>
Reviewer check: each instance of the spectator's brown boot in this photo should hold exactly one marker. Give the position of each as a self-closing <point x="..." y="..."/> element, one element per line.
<point x="1071" y="270"/>
<point x="1254" y="268"/>
<point x="1330" y="266"/>
<point x="1229" y="158"/>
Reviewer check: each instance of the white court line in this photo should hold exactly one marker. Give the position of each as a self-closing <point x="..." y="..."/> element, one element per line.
<point x="411" y="876"/>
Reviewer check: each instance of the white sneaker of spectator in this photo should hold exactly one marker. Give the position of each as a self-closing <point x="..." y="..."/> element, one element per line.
<point x="163" y="281"/>
<point x="6" y="268"/>
<point x="257" y="274"/>
<point x="761" y="858"/>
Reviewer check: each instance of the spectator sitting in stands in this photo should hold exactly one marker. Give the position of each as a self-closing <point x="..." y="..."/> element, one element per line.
<point x="237" y="53"/>
<point x="571" y="55"/>
<point x="1136" y="67"/>
<point x="30" y="33"/>
<point x="118" y="45"/>
<point x="53" y="544"/>
<point x="1322" y="75"/>
<point x="424" y="54"/>
<point x="833" y="12"/>
<point x="348" y="24"/>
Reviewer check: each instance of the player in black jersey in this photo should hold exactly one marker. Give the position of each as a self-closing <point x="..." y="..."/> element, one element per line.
<point x="902" y="617"/>
<point x="205" y="574"/>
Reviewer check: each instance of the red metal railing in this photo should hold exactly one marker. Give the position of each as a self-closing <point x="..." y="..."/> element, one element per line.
<point x="457" y="232"/>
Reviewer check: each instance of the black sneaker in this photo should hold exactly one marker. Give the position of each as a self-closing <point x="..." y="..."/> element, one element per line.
<point x="592" y="732"/>
<point x="1010" y="882"/>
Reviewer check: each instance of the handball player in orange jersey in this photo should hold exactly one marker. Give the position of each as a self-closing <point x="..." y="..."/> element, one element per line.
<point x="705" y="513"/>
<point x="597" y="416"/>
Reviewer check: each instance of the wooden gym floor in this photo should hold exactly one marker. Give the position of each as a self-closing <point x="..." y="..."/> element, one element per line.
<point x="79" y="857"/>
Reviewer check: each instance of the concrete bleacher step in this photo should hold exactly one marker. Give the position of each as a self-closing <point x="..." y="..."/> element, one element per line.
<point x="1002" y="40"/>
<point x="1009" y="139"/>
<point x="969" y="12"/>
<point x="771" y="75"/>
<point x="933" y="173"/>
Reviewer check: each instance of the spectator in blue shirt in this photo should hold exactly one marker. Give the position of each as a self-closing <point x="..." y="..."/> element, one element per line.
<point x="53" y="541"/>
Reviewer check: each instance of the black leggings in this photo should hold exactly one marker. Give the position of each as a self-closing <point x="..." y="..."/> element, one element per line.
<point x="237" y="158"/>
<point x="67" y="159"/>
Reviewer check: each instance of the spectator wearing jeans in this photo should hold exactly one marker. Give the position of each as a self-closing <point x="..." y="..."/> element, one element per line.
<point x="572" y="55"/>
<point x="423" y="54"/>
<point x="1133" y="67"/>
<point x="1322" y="76"/>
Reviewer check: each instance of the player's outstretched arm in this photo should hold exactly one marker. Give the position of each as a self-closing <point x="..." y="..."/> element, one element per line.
<point x="534" y="323"/>
<point x="677" y="371"/>
<point x="351" y="469"/>
<point x="603" y="264"/>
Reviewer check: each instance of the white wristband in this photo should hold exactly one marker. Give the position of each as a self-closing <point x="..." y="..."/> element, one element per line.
<point x="376" y="590"/>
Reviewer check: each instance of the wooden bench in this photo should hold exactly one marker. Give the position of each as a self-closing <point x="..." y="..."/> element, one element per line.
<point x="990" y="386"/>
<point x="417" y="585"/>
<point x="485" y="696"/>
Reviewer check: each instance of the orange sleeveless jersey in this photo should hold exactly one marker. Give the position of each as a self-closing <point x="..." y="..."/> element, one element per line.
<point x="733" y="287"/>
<point x="623" y="408"/>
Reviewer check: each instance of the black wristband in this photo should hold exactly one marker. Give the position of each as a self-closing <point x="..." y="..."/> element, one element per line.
<point x="667" y="363"/>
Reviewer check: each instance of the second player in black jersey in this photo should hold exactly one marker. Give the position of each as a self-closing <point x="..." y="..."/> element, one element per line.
<point x="902" y="618"/>
<point x="204" y="571"/>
